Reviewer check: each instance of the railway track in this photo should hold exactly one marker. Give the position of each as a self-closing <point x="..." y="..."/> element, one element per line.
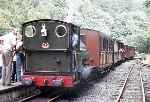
<point x="132" y="89"/>
<point x="29" y="98"/>
<point x="146" y="81"/>
<point x="44" y="97"/>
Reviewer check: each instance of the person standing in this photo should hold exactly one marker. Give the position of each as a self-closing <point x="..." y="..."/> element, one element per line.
<point x="19" y="60"/>
<point x="14" y="76"/>
<point x="1" y="64"/>
<point x="7" y="55"/>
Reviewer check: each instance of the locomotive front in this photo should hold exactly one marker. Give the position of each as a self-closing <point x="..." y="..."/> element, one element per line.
<point x="51" y="52"/>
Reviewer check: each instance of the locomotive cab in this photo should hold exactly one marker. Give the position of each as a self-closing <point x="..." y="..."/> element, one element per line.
<point x="51" y="52"/>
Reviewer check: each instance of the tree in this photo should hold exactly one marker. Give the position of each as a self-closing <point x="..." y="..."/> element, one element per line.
<point x="16" y="11"/>
<point x="122" y="19"/>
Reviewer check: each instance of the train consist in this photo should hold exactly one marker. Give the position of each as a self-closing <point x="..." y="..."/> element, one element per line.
<point x="60" y="54"/>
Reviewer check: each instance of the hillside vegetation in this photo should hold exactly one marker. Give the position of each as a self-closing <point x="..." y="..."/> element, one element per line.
<point x="125" y="20"/>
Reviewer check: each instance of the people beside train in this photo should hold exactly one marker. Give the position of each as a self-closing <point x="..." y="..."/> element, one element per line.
<point x="14" y="79"/>
<point x="19" y="60"/>
<point x="75" y="40"/>
<point x="1" y="64"/>
<point x="7" y="55"/>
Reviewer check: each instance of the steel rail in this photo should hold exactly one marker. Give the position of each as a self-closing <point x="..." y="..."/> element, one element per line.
<point x="143" y="92"/>
<point x="51" y="99"/>
<point x="29" y="98"/>
<point x="56" y="95"/>
<point x="54" y="98"/>
<point x="124" y="85"/>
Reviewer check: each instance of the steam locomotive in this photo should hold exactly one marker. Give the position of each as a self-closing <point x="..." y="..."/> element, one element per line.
<point x="60" y="54"/>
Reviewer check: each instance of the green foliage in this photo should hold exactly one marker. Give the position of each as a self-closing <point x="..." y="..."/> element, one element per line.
<point x="147" y="3"/>
<point x="18" y="11"/>
<point x="143" y="44"/>
<point x="126" y="20"/>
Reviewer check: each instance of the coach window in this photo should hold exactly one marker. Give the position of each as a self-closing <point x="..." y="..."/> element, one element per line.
<point x="104" y="44"/>
<point x="109" y="45"/>
<point x="82" y="37"/>
<point x="101" y="43"/>
<point x="30" y="31"/>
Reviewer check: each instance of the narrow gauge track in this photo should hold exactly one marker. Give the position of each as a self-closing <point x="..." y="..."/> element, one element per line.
<point x="44" y="97"/>
<point x="146" y="81"/>
<point x="132" y="88"/>
<point x="30" y="97"/>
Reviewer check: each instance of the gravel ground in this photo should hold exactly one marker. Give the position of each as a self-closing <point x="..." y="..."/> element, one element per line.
<point x="105" y="89"/>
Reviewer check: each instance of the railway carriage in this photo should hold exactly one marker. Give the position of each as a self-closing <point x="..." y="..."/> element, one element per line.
<point x="117" y="56"/>
<point x="130" y="52"/>
<point x="100" y="49"/>
<point x="126" y="49"/>
<point x="119" y="52"/>
<point x="122" y="52"/>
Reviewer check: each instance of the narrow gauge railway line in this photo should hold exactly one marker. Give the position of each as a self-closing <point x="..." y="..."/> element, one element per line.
<point x="104" y="89"/>
<point x="146" y="81"/>
<point x="30" y="97"/>
<point x="132" y="88"/>
<point x="44" y="97"/>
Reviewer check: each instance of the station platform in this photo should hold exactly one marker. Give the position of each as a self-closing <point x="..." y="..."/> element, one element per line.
<point x="13" y="85"/>
<point x="15" y="92"/>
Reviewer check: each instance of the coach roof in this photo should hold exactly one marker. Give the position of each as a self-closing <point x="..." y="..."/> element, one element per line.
<point x="101" y="33"/>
